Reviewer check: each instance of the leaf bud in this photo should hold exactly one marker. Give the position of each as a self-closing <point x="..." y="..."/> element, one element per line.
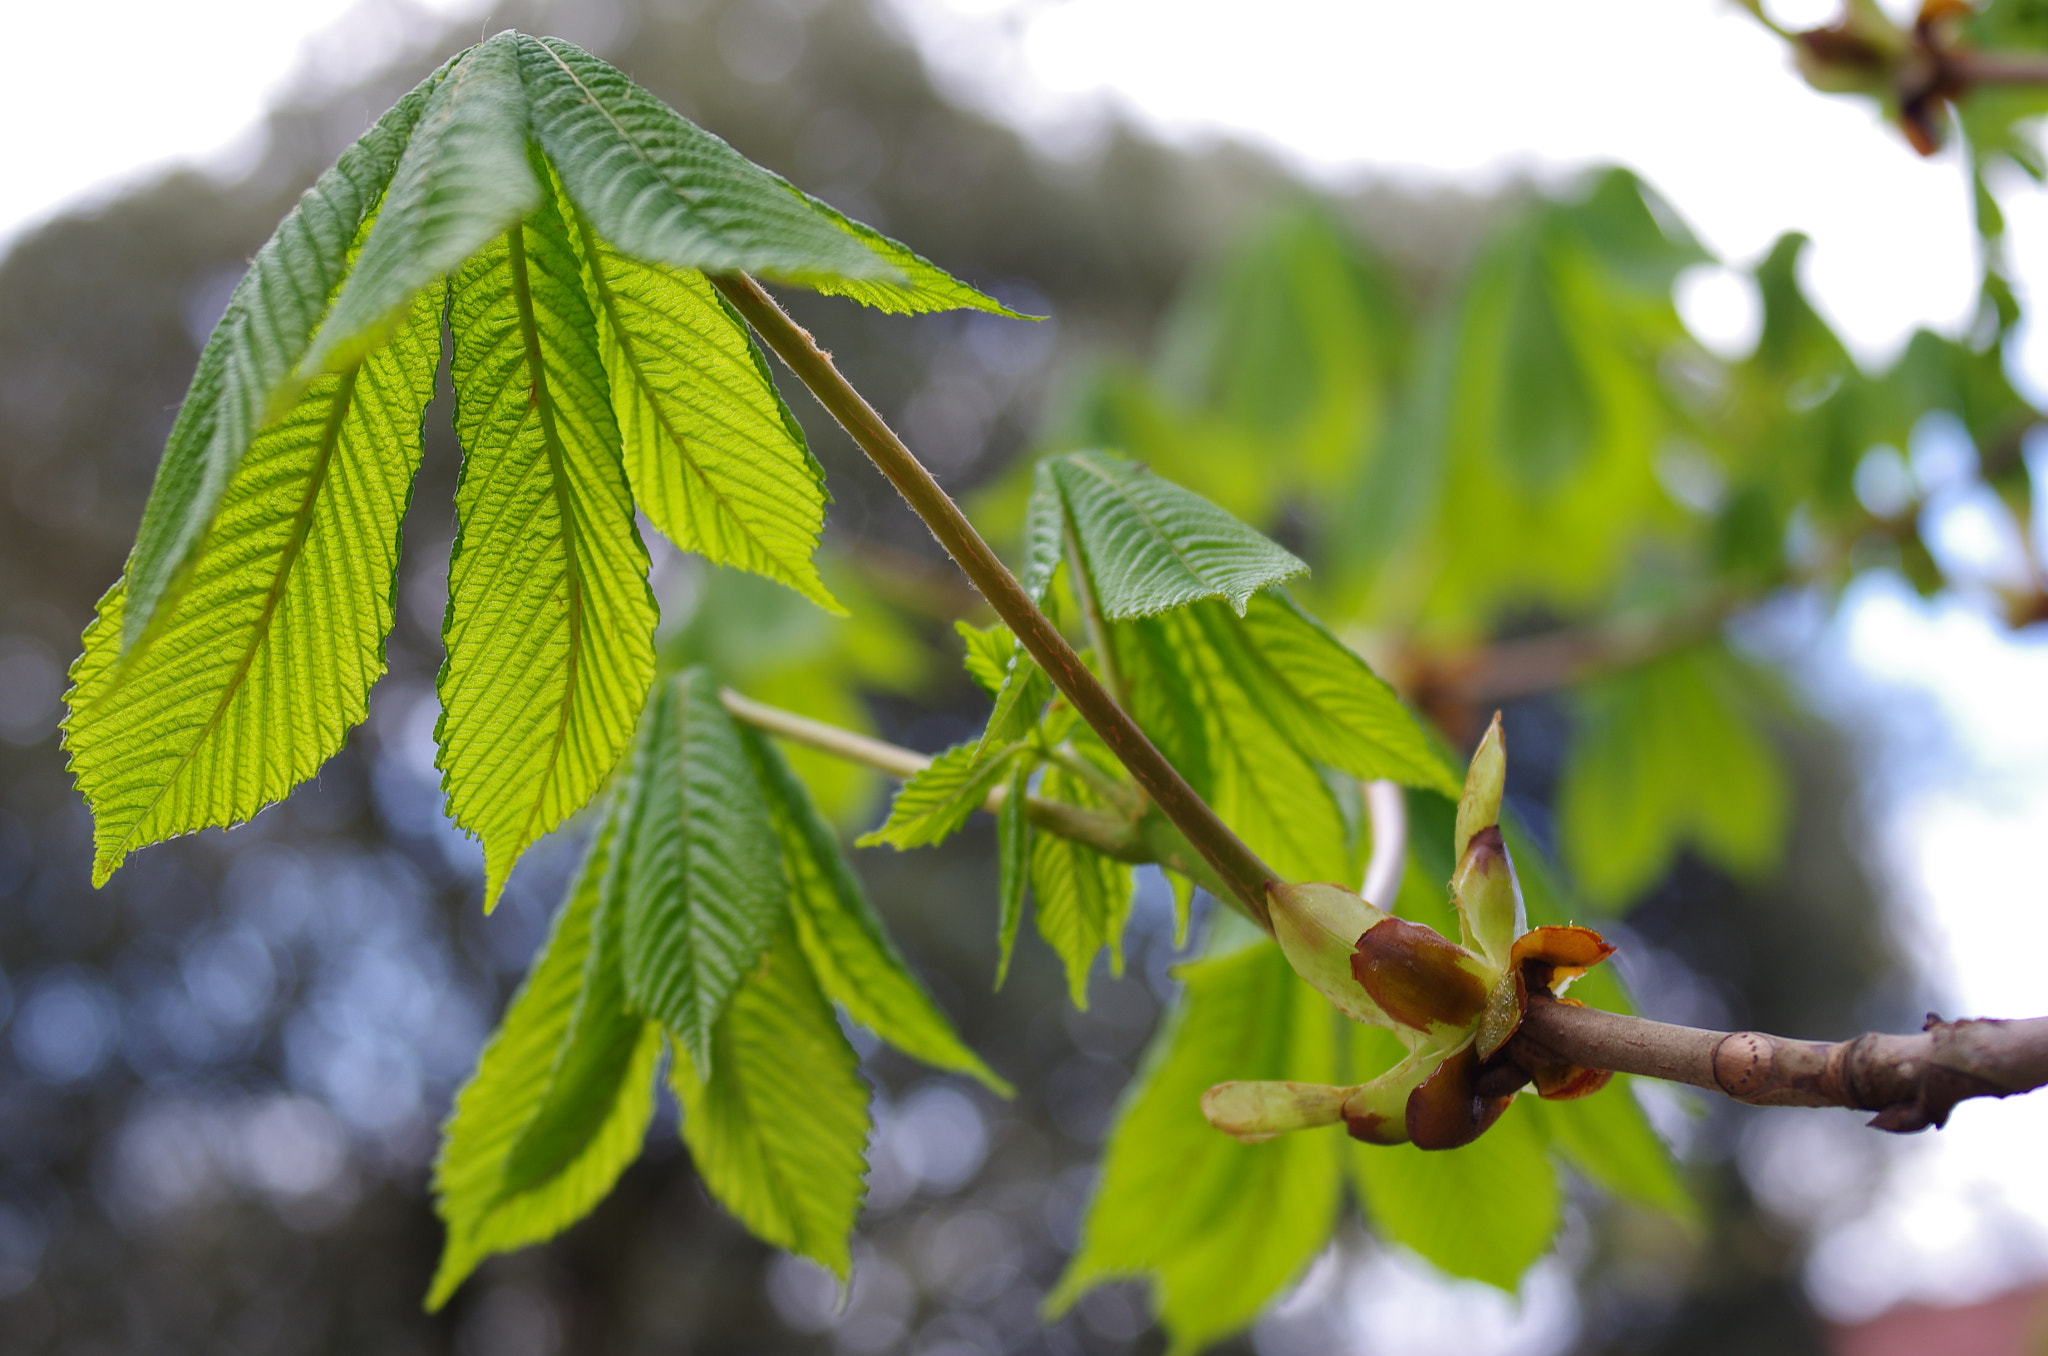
<point x="1485" y="779"/>
<point x="1319" y="927"/>
<point x="1488" y="897"/>
<point x="1254" y="1111"/>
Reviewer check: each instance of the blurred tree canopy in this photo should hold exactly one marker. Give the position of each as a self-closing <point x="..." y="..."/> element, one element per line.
<point x="1518" y="479"/>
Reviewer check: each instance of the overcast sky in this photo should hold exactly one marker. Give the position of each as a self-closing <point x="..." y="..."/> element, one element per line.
<point x="1691" y="93"/>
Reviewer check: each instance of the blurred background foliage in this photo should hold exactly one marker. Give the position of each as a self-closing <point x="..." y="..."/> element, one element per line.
<point x="1521" y="483"/>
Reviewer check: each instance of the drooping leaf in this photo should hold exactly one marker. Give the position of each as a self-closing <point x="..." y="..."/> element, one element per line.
<point x="1148" y="544"/>
<point x="842" y="937"/>
<point x="931" y="806"/>
<point x="246" y="374"/>
<point x="1013" y="861"/>
<point x="465" y="179"/>
<point x="264" y="657"/>
<point x="550" y="627"/>
<point x="716" y="459"/>
<point x="779" y="1131"/>
<point x="661" y="189"/>
<point x="705" y="887"/>
<point x="1487" y="1211"/>
<point x="1082" y="899"/>
<point x="1664" y="759"/>
<point x="1218" y="1226"/>
<point x="562" y="1094"/>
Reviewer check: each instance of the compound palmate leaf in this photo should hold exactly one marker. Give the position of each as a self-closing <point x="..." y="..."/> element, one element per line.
<point x="575" y="218"/>
<point x="561" y="1098"/>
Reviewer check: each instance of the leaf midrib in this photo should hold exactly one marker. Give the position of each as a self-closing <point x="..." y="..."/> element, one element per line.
<point x="288" y="558"/>
<point x="1159" y="533"/>
<point x="551" y="441"/>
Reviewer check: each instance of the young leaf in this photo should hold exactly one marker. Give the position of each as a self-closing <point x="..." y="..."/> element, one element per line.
<point x="779" y="1131"/>
<point x="1148" y="544"/>
<point x="550" y="627"/>
<point x="716" y="459"/>
<point x="562" y="1094"/>
<point x="245" y="375"/>
<point x="989" y="652"/>
<point x="1019" y="701"/>
<point x="464" y="180"/>
<point x="705" y="889"/>
<point x="1488" y="1210"/>
<point x="1331" y="705"/>
<point x="1610" y="1140"/>
<point x="661" y="189"/>
<point x="931" y="806"/>
<point x="264" y="658"/>
<point x="1013" y="860"/>
<point x="1220" y="1227"/>
<point x="855" y="962"/>
<point x="1083" y="898"/>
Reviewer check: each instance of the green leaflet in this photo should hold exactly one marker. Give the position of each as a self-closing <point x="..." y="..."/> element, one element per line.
<point x="1665" y="759"/>
<point x="988" y="654"/>
<point x="705" y="889"/>
<point x="1327" y="701"/>
<point x="1487" y="1211"/>
<point x="550" y="626"/>
<point x="1186" y="697"/>
<point x="933" y="804"/>
<point x="1019" y="702"/>
<point x="780" y="1129"/>
<point x="263" y="659"/>
<point x="1083" y="898"/>
<point x="1013" y="860"/>
<point x="1148" y="544"/>
<point x="662" y="189"/>
<point x="850" y="953"/>
<point x="562" y="1094"/>
<point x="245" y="373"/>
<point x="465" y="179"/>
<point x="1219" y="1227"/>
<point x="716" y="459"/>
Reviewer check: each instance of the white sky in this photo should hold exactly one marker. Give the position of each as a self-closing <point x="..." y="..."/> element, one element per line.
<point x="1690" y="93"/>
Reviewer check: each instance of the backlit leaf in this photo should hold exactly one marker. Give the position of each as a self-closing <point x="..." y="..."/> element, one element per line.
<point x="550" y="627"/>
<point x="931" y="806"/>
<point x="1081" y="898"/>
<point x="779" y="1131"/>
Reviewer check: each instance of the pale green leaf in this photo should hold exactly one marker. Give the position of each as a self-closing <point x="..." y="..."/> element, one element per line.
<point x="245" y="378"/>
<point x="1327" y="700"/>
<point x="550" y="627"/>
<point x="1019" y="702"/>
<point x="562" y="1094"/>
<point x="931" y="806"/>
<point x="779" y="1131"/>
<point x="989" y="651"/>
<point x="1148" y="545"/>
<point x="1013" y="861"/>
<point x="661" y="189"/>
<point x="849" y="951"/>
<point x="705" y="888"/>
<point x="716" y="459"/>
<point x="1607" y="1137"/>
<point x="1220" y="1227"/>
<point x="464" y="180"/>
<point x="263" y="660"/>
<point x="1487" y="1211"/>
<point x="1082" y="899"/>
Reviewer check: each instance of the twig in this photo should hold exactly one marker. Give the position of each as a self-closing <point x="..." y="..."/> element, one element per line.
<point x="1230" y="859"/>
<point x="1911" y="1082"/>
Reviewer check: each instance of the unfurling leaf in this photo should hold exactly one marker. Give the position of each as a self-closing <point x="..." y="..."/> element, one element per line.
<point x="931" y="806"/>
<point x="1319" y="928"/>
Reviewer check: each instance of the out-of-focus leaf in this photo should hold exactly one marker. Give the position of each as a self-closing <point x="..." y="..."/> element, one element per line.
<point x="779" y="1131"/>
<point x="1665" y="759"/>
<point x="1608" y="1138"/>
<point x="1219" y="1227"/>
<point x="1487" y="1211"/>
